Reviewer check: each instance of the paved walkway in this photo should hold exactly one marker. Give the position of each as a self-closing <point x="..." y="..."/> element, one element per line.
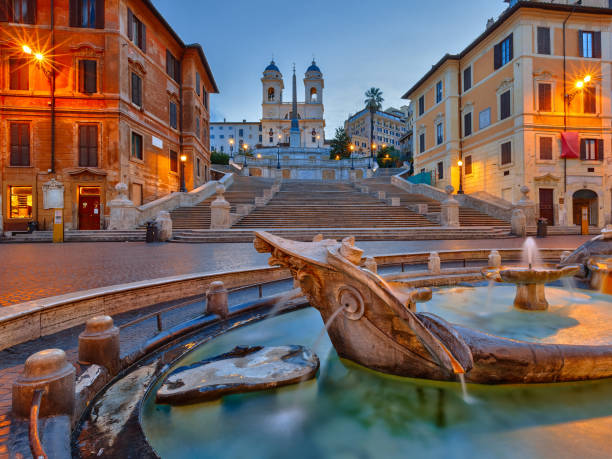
<point x="32" y="271"/>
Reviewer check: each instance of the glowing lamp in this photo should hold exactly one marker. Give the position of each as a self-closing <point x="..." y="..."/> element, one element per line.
<point x="183" y="158"/>
<point x="459" y="163"/>
<point x="26" y="49"/>
<point x="39" y="56"/>
<point x="579" y="84"/>
<point x="587" y="78"/>
<point x="258" y="155"/>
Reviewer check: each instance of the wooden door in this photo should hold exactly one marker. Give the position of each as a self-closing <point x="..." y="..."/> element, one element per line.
<point x="89" y="212"/>
<point x="546" y="205"/>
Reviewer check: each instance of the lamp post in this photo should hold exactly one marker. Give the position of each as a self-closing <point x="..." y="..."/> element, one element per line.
<point x="278" y="152"/>
<point x="231" y="142"/>
<point x="372" y="151"/>
<point x="352" y="147"/>
<point x="245" y="147"/>
<point x="460" y="164"/>
<point x="183" y="160"/>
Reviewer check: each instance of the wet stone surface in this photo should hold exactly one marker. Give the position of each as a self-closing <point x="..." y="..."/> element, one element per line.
<point x="244" y="369"/>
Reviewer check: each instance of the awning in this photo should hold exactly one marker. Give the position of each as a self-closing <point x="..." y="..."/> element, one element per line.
<point x="570" y="145"/>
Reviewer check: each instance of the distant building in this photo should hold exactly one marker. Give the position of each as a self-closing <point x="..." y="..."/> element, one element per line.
<point x="515" y="115"/>
<point x="229" y="137"/>
<point x="130" y="98"/>
<point x="389" y="127"/>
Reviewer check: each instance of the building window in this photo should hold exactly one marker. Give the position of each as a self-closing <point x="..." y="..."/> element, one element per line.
<point x="468" y="165"/>
<point x="137" y="32"/>
<point x="205" y="97"/>
<point x="88" y="146"/>
<point x="503" y="52"/>
<point x="88" y="76"/>
<point x="467" y="124"/>
<point x="543" y="40"/>
<point x="19" y="70"/>
<point x="438" y="92"/>
<point x="197" y="126"/>
<point x="173" y="67"/>
<point x="87" y="13"/>
<point x="137" y="146"/>
<point x="504" y="105"/>
<point x="136" y="89"/>
<point x="421" y="105"/>
<point x="422" y="142"/>
<point x="545" y="97"/>
<point x="18" y="11"/>
<point x="506" y="153"/>
<point x="590" y="99"/>
<point x="20" y="144"/>
<point x="467" y="78"/>
<point x="197" y="83"/>
<point x="484" y="118"/>
<point x="173" y="161"/>
<point x="590" y="44"/>
<point x="270" y="94"/>
<point x="240" y="133"/>
<point x="591" y="149"/>
<point x="439" y="133"/>
<point x="440" y="170"/>
<point x="198" y="166"/>
<point x="173" y="115"/>
<point x="546" y="148"/>
<point x="20" y="201"/>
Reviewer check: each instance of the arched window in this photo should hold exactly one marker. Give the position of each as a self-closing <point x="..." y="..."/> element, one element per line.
<point x="270" y="94"/>
<point x="313" y="94"/>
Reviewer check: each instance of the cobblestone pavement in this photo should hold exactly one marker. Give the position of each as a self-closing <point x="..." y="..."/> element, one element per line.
<point x="32" y="271"/>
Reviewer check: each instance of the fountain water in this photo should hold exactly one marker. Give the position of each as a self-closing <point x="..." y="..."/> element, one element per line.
<point x="531" y="254"/>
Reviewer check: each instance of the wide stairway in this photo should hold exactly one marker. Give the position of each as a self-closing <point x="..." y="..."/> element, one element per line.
<point x="243" y="191"/>
<point x="310" y="204"/>
<point x="467" y="215"/>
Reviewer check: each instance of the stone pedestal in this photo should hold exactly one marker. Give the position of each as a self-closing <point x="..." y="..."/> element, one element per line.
<point x="163" y="221"/>
<point x="123" y="212"/>
<point x="216" y="299"/>
<point x="220" y="211"/>
<point x="48" y="370"/>
<point x="433" y="264"/>
<point x="527" y="206"/>
<point x="530" y="297"/>
<point x="99" y="344"/>
<point x="449" y="209"/>
<point x="495" y="260"/>
<point x="518" y="223"/>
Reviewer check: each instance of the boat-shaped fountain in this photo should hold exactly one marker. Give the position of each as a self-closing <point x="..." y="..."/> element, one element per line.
<point x="380" y="328"/>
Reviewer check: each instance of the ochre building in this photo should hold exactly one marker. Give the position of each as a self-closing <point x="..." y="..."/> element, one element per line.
<point x="526" y="103"/>
<point x="94" y="93"/>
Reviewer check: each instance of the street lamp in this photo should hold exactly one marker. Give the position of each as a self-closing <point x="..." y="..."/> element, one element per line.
<point x="372" y="151"/>
<point x="244" y="150"/>
<point x="231" y="142"/>
<point x="460" y="164"/>
<point x="278" y="151"/>
<point x="183" y="160"/>
<point x="352" y="147"/>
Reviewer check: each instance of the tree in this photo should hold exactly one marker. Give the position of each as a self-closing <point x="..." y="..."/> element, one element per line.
<point x="340" y="145"/>
<point x="218" y="157"/>
<point x="373" y="103"/>
<point x="389" y="157"/>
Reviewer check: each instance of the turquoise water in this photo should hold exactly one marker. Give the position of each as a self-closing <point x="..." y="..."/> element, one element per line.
<point x="351" y="412"/>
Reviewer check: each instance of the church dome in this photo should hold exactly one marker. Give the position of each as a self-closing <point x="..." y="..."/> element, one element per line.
<point x="272" y="72"/>
<point x="313" y="68"/>
<point x="272" y="67"/>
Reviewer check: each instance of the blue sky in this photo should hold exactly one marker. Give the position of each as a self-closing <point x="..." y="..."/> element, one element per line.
<point x="357" y="44"/>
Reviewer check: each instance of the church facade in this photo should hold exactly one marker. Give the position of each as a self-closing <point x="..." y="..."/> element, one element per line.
<point x="277" y="114"/>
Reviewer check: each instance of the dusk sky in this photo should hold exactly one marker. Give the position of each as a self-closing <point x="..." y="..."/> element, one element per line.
<point x="356" y="44"/>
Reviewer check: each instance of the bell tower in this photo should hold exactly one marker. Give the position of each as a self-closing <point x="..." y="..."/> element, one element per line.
<point x="272" y="85"/>
<point x="313" y="85"/>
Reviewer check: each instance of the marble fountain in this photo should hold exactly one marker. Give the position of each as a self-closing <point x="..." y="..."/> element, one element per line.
<point x="373" y="367"/>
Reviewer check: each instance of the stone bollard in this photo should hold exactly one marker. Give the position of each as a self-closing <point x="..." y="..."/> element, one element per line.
<point x="518" y="223"/>
<point x="48" y="370"/>
<point x="395" y="201"/>
<point x="99" y="344"/>
<point x="433" y="265"/>
<point x="495" y="260"/>
<point x="449" y="209"/>
<point x="370" y="265"/>
<point x="220" y="211"/>
<point x="163" y="221"/>
<point x="216" y="299"/>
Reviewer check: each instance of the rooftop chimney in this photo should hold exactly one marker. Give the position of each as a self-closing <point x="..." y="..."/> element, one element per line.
<point x="490" y="22"/>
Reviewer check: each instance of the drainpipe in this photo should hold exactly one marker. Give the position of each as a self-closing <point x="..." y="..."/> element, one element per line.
<point x="52" y="89"/>
<point x="460" y="92"/>
<point x="180" y="116"/>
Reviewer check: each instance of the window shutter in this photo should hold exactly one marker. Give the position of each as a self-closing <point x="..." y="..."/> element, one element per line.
<point x="93" y="146"/>
<point x="497" y="57"/>
<point x="4" y="10"/>
<point x="177" y="71"/>
<point x="99" y="14"/>
<point x="168" y="62"/>
<point x="600" y="150"/>
<point x="74" y="13"/>
<point x="14" y="144"/>
<point x="511" y="38"/>
<point x="82" y="76"/>
<point x="91" y="77"/>
<point x="82" y="145"/>
<point x="130" y="24"/>
<point x="143" y="36"/>
<point x="25" y="145"/>
<point x="582" y="149"/>
<point x="597" y="45"/>
<point x="580" y="43"/>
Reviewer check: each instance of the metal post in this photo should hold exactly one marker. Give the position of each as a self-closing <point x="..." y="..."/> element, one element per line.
<point x="460" y="190"/>
<point x="183" y="188"/>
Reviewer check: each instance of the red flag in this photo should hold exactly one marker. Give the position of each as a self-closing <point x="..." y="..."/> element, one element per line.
<point x="570" y="145"/>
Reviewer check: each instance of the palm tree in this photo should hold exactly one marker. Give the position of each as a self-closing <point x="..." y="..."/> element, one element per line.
<point x="373" y="103"/>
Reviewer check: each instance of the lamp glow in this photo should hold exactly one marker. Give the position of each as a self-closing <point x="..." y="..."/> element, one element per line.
<point x="26" y="49"/>
<point x="459" y="163"/>
<point x="183" y="158"/>
<point x="587" y="78"/>
<point x="579" y="84"/>
<point x="39" y="56"/>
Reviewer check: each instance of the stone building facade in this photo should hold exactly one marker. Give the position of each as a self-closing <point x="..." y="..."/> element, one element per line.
<point x="230" y="137"/>
<point x="107" y="93"/>
<point x="389" y="126"/>
<point x="522" y="105"/>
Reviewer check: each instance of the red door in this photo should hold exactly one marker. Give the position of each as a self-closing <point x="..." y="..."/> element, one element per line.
<point x="89" y="210"/>
<point x="546" y="205"/>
